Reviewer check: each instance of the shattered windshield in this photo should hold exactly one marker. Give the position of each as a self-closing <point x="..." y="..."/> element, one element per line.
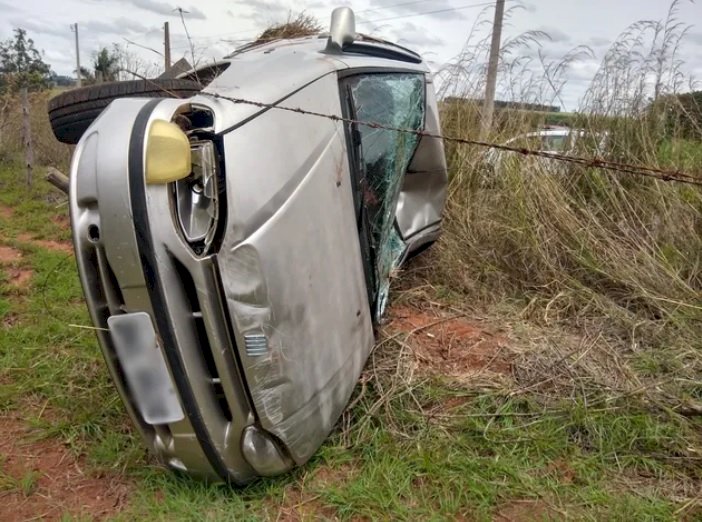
<point x="395" y="100"/>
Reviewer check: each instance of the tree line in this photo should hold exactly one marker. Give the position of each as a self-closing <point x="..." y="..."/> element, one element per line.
<point x="22" y="66"/>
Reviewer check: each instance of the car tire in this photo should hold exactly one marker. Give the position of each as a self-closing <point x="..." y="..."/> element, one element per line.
<point x="72" y="112"/>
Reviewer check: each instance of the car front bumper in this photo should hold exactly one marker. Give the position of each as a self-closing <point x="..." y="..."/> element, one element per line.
<point x="132" y="261"/>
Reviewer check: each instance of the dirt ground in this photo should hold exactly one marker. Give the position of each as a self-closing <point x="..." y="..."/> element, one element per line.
<point x="10" y="259"/>
<point x="50" y="244"/>
<point x="41" y="479"/>
<point x="450" y="345"/>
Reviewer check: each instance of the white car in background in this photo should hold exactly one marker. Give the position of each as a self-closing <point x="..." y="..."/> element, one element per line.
<point x="554" y="140"/>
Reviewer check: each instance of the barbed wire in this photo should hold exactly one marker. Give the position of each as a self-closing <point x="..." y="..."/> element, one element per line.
<point x="596" y="162"/>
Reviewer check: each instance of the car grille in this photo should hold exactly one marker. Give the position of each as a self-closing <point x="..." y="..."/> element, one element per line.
<point x="205" y="349"/>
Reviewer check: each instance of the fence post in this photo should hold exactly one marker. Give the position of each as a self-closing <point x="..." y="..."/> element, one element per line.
<point x="27" y="136"/>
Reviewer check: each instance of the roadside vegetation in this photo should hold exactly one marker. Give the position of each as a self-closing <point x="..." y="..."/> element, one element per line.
<point x="543" y="361"/>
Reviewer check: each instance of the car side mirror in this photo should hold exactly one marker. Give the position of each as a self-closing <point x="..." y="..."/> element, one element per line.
<point x="343" y="29"/>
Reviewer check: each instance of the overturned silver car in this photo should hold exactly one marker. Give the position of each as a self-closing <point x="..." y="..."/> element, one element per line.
<point x="235" y="257"/>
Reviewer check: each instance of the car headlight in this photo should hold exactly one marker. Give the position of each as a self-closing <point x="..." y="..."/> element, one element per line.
<point x="196" y="197"/>
<point x="181" y="155"/>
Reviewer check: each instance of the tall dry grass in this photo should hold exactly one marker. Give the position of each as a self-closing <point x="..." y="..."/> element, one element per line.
<point x="47" y="150"/>
<point x="601" y="254"/>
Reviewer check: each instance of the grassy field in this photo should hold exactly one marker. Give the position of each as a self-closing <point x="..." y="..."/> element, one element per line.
<point x="467" y="410"/>
<point x="542" y="362"/>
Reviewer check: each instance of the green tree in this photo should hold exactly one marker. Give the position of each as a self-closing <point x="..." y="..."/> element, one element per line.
<point x="21" y="65"/>
<point x="106" y="64"/>
<point x="87" y="76"/>
<point x="684" y="114"/>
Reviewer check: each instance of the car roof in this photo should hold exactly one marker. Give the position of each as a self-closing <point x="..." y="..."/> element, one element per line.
<point x="271" y="71"/>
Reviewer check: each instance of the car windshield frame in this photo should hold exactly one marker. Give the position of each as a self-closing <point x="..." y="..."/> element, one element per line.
<point x="382" y="247"/>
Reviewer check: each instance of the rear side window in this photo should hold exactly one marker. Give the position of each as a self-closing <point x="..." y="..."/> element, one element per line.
<point x="555" y="143"/>
<point x="380" y="159"/>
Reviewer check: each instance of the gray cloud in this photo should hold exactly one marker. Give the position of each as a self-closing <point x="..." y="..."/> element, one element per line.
<point x="695" y="38"/>
<point x="556" y="35"/>
<point x="118" y="26"/>
<point x="598" y="41"/>
<point x="7" y="7"/>
<point x="36" y="27"/>
<point x="163" y="8"/>
<point x="264" y="12"/>
<point x="318" y="5"/>
<point x="416" y="37"/>
<point x="381" y="10"/>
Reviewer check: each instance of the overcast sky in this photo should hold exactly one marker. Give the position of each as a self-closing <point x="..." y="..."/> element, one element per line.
<point x="435" y="28"/>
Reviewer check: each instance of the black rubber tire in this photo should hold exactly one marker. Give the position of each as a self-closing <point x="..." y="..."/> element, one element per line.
<point x="72" y="112"/>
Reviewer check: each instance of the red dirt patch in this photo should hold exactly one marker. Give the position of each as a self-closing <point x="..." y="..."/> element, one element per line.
<point x="53" y="480"/>
<point x="452" y="346"/>
<point x="19" y="277"/>
<point x="6" y="212"/>
<point x="10" y="320"/>
<point x="55" y="246"/>
<point x="297" y="506"/>
<point x="300" y="501"/>
<point x="525" y="511"/>
<point x="62" y="220"/>
<point x="325" y="476"/>
<point x="562" y="471"/>
<point x="9" y="255"/>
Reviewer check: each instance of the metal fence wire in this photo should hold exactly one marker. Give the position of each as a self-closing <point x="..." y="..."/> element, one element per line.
<point x="595" y="162"/>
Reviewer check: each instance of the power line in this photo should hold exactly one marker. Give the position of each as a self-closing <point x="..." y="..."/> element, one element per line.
<point x="387" y="19"/>
<point x="375" y="9"/>
<point x="447" y="10"/>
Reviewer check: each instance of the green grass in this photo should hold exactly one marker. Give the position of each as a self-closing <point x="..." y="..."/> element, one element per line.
<point x="583" y="455"/>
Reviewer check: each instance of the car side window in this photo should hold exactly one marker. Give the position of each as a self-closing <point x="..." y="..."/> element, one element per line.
<point x="381" y="158"/>
<point x="556" y="143"/>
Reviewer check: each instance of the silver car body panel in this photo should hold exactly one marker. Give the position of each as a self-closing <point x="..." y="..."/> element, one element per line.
<point x="265" y="338"/>
<point x="423" y="193"/>
<point x="108" y="259"/>
<point x="282" y="260"/>
<point x="255" y="75"/>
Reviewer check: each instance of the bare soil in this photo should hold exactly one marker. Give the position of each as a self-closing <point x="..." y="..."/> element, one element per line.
<point x="299" y="506"/>
<point x="526" y="511"/>
<point x="9" y="255"/>
<point x="299" y="503"/>
<point x="6" y="212"/>
<point x="64" y="247"/>
<point x="62" y="220"/>
<point x="44" y="480"/>
<point x="18" y="277"/>
<point x="453" y="346"/>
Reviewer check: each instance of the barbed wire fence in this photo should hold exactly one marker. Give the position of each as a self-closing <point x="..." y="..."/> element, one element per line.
<point x="594" y="162"/>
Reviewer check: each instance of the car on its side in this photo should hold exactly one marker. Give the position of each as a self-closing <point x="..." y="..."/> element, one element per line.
<point x="235" y="252"/>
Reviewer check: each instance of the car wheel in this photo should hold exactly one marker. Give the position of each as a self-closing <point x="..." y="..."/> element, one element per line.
<point x="72" y="112"/>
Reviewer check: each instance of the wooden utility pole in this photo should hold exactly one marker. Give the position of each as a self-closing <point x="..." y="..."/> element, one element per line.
<point x="27" y="135"/>
<point x="167" y="46"/>
<point x="491" y="83"/>
<point x="79" y="79"/>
